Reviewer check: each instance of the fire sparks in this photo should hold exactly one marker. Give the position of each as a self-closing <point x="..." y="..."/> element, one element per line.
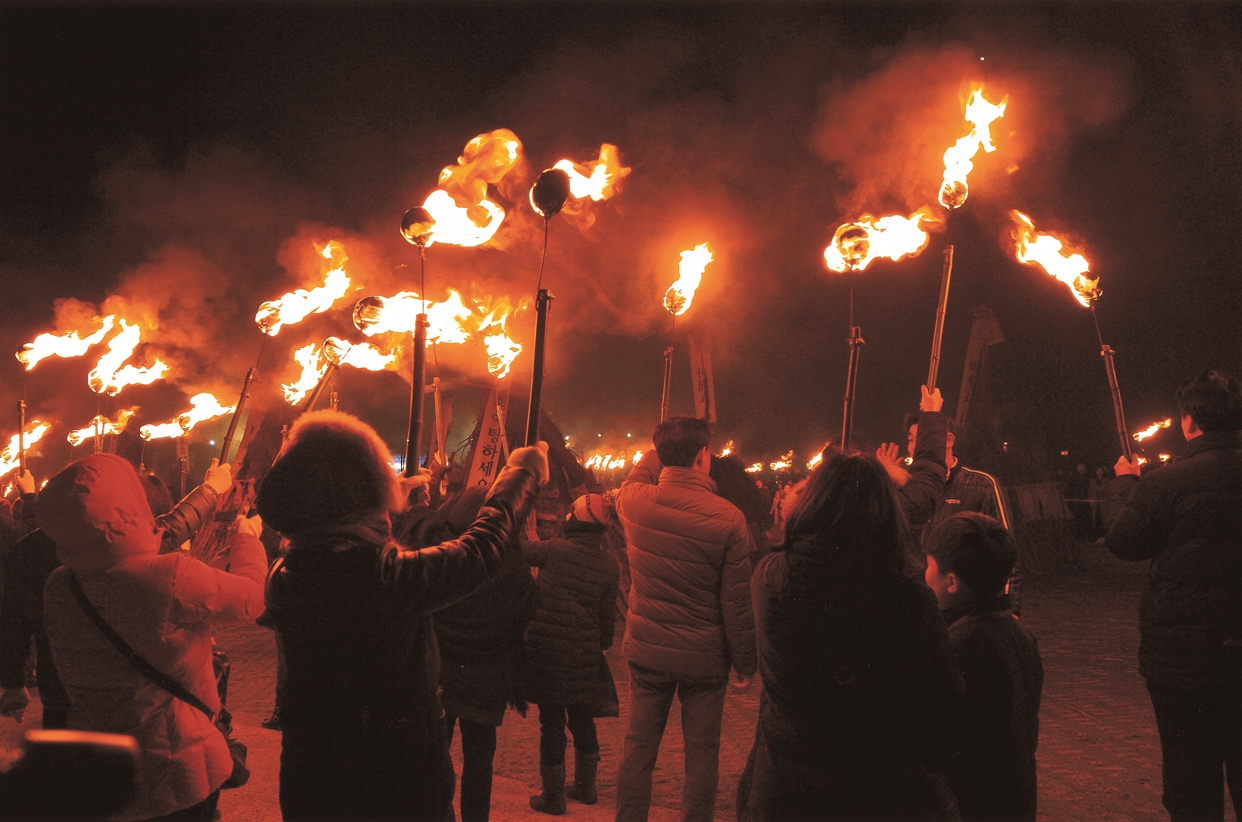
<point x="397" y="314"/>
<point x="1046" y="250"/>
<point x="690" y="273"/>
<point x="359" y="355"/>
<point x="297" y="305"/>
<point x="66" y="345"/>
<point x="1150" y="431"/>
<point x="856" y="244"/>
<point x="463" y="214"/>
<point x="10" y="457"/>
<point x="100" y="426"/>
<point x="308" y="357"/>
<point x="595" y="180"/>
<point x="783" y="463"/>
<point x="727" y="450"/>
<point x="957" y="160"/>
<point x="109" y="376"/>
<point x="203" y="407"/>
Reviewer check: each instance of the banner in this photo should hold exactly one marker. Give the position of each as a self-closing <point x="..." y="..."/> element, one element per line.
<point x="490" y="447"/>
<point x="984" y="332"/>
<point x="701" y="377"/>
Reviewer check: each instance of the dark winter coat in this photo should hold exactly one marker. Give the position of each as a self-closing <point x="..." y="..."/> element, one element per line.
<point x="566" y="639"/>
<point x="859" y="694"/>
<point x="969" y="490"/>
<point x="1187" y="519"/>
<point x="689" y="552"/>
<point x="925" y="488"/>
<point x="363" y="731"/>
<point x="993" y="773"/>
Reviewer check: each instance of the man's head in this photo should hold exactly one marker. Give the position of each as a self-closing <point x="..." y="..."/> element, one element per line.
<point x="1212" y="401"/>
<point x="969" y="556"/>
<point x="912" y="433"/>
<point x="683" y="442"/>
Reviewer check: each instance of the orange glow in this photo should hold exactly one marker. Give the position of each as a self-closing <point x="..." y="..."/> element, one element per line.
<point x="300" y="303"/>
<point x="606" y="462"/>
<point x="501" y="348"/>
<point x="1045" y="250"/>
<point x="727" y="450"/>
<point x="638" y="455"/>
<point x="855" y="245"/>
<point x="67" y="345"/>
<point x="398" y="313"/>
<point x="596" y="180"/>
<point x="101" y="425"/>
<point x="10" y="457"/>
<point x="359" y="355"/>
<point x="957" y="160"/>
<point x="463" y="214"/>
<point x="754" y="468"/>
<point x="203" y="407"/>
<point x="1150" y="431"/>
<point x="690" y="273"/>
<point x="308" y="358"/>
<point x="783" y="463"/>
<point x="815" y="460"/>
<point x="109" y="376"/>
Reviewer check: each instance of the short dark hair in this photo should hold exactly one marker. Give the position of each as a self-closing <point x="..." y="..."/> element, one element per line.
<point x="913" y="418"/>
<point x="1213" y="399"/>
<point x="977" y="549"/>
<point x="158" y="495"/>
<point x="678" y="440"/>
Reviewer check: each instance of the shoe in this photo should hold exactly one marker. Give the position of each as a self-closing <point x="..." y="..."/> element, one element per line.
<point x="583" y="789"/>
<point x="272" y="723"/>
<point x="552" y="800"/>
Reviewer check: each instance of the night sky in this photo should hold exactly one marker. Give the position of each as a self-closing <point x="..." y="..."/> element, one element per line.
<point x="180" y="163"/>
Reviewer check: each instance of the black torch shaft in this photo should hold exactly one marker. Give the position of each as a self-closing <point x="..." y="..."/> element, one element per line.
<point x="668" y="383"/>
<point x="315" y="394"/>
<point x="414" y="441"/>
<point x="1110" y="368"/>
<point x="851" y="383"/>
<point x="542" y="302"/>
<point x="938" y="334"/>
<point x="237" y="412"/>
<point x="21" y="437"/>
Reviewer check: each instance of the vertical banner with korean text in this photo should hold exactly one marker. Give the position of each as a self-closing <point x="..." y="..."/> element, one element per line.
<point x="488" y="448"/>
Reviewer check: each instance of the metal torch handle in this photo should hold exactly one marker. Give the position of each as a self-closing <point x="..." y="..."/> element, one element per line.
<point x="21" y="437"/>
<point x="241" y="404"/>
<point x="938" y="334"/>
<point x="542" y="303"/>
<point x="851" y="383"/>
<point x="1115" y="389"/>
<point x="668" y="383"/>
<point x="414" y="441"/>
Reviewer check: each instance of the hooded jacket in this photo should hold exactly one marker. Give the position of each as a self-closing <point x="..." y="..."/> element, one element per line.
<point x="162" y="606"/>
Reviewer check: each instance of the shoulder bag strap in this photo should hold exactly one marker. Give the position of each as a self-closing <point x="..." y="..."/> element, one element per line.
<point x="133" y="657"/>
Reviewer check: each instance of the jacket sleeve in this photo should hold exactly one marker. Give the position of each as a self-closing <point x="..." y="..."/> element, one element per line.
<point x="436" y="577"/>
<point x="735" y="603"/>
<point x="535" y="552"/>
<point x="16" y="625"/>
<point x="183" y="521"/>
<point x="1135" y="531"/>
<point x="608" y="614"/>
<point x="922" y="493"/>
<point x="229" y="590"/>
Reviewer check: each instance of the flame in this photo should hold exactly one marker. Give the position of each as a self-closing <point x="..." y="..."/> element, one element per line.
<point x="397" y="314"/>
<point x="203" y="407"/>
<point x="783" y="463"/>
<point x="690" y="273"/>
<point x="638" y="455"/>
<point x="308" y="357"/>
<point x="605" y="462"/>
<point x="815" y="460"/>
<point x="107" y="375"/>
<point x="463" y="214"/>
<point x="754" y="468"/>
<point x="957" y="160"/>
<point x="727" y="450"/>
<point x="10" y="457"/>
<point x="359" y="355"/>
<point x="67" y="345"/>
<point x="1142" y="460"/>
<point x="298" y="304"/>
<point x="100" y="426"/>
<point x="855" y="245"/>
<point x="1046" y="250"/>
<point x="595" y="180"/>
<point x="1165" y="458"/>
<point x="501" y="348"/>
<point x="1150" y="431"/>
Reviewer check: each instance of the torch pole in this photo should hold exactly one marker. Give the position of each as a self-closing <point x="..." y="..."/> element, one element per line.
<point x="237" y="412"/>
<point x="440" y="433"/>
<point x="851" y="382"/>
<point x="1110" y="368"/>
<point x="414" y="441"/>
<point x="938" y="334"/>
<point x="319" y="387"/>
<point x="668" y="383"/>
<point x="542" y="303"/>
<point x="21" y="437"/>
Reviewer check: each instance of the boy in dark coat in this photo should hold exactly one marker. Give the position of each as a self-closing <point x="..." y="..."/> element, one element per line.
<point x="567" y="675"/>
<point x="969" y="559"/>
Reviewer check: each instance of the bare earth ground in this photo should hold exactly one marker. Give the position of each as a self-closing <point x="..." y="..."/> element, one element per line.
<point x="1099" y="755"/>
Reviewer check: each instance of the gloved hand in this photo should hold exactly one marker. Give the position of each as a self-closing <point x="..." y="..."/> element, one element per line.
<point x="250" y="525"/>
<point x="219" y="477"/>
<point x="533" y="458"/>
<point x="13" y="703"/>
<point x="25" y="483"/>
<point x="930" y="400"/>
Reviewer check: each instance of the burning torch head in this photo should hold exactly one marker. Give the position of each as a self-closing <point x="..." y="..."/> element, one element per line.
<point x="334" y="348"/>
<point x="417" y="226"/>
<point x="548" y="194"/>
<point x="854" y="243"/>
<point x="367" y="312"/>
<point x="953" y="193"/>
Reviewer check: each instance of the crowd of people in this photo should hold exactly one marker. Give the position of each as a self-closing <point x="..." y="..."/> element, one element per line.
<point x="878" y="616"/>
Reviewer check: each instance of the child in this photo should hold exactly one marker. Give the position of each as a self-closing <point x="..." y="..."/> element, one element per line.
<point x="969" y="558"/>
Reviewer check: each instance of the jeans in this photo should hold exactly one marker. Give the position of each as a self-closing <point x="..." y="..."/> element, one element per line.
<point x="553" y="720"/>
<point x="702" y="707"/>
<point x="1200" y="735"/>
<point x="478" y="750"/>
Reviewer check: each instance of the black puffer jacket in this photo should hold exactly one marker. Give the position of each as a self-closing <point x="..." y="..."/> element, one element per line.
<point x="566" y="638"/>
<point x="1187" y="519"/>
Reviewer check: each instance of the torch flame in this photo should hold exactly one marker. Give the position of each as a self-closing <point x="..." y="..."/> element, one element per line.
<point x="10" y="457"/>
<point x="638" y="455"/>
<point x="784" y="462"/>
<point x="605" y="462"/>
<point x="754" y="468"/>
<point x="298" y="304"/>
<point x="203" y="407"/>
<point x="463" y="214"/>
<point x="815" y="460"/>
<point x="727" y="450"/>
<point x="1046" y="250"/>
<point x="1150" y="431"/>
<point x="690" y="273"/>
<point x="595" y="180"/>
<point x="359" y="355"/>
<point x="107" y="375"/>
<point x="855" y="245"/>
<point x="1165" y="457"/>
<point x="101" y="425"/>
<point x="397" y="314"/>
<point x="308" y="357"/>
<point x="957" y="160"/>
<point x="67" y="345"/>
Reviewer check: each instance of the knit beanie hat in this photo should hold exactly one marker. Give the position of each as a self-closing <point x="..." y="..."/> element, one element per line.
<point x="332" y="470"/>
<point x="590" y="508"/>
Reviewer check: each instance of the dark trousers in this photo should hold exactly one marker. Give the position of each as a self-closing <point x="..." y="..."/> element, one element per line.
<point x="478" y="750"/>
<point x="702" y="706"/>
<point x="1200" y="734"/>
<point x="553" y="719"/>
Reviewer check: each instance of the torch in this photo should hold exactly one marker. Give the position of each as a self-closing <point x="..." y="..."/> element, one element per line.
<point x="21" y="437"/>
<point x="547" y="198"/>
<point x="417" y="226"/>
<point x="677" y="301"/>
<point x="940" y="305"/>
<point x="1110" y="368"/>
<point x="241" y="403"/>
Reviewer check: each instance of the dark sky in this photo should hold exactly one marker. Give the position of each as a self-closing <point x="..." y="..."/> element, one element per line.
<point x="180" y="161"/>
